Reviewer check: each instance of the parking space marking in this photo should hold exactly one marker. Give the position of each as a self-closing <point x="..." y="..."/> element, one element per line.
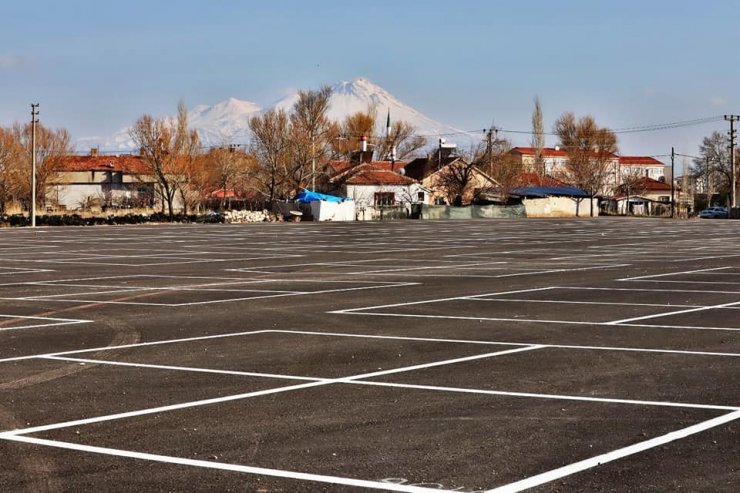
<point x="435" y="388"/>
<point x="583" y="465"/>
<point x="52" y="322"/>
<point x="181" y="368"/>
<point x="360" y="483"/>
<point x="569" y="302"/>
<point x="89" y="296"/>
<point x="205" y="402"/>
<point x="668" y="314"/>
<point x="668" y="274"/>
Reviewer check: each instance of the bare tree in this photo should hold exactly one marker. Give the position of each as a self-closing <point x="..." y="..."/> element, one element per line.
<point x="633" y="183"/>
<point x="498" y="164"/>
<point x="51" y="146"/>
<point x="187" y="150"/>
<point x="714" y="162"/>
<point x="312" y="133"/>
<point x="271" y="146"/>
<point x="348" y="133"/>
<point x="12" y="179"/>
<point x="403" y="138"/>
<point x="538" y="137"/>
<point x="167" y="148"/>
<point x="590" y="151"/>
<point x="228" y="168"/>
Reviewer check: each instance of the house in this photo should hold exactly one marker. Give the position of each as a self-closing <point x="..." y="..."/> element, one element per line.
<point x="619" y="168"/>
<point x="634" y="166"/>
<point x="81" y="182"/>
<point x="450" y="179"/>
<point x="644" y="196"/>
<point x="543" y="196"/>
<point x="375" y="186"/>
<point x="554" y="159"/>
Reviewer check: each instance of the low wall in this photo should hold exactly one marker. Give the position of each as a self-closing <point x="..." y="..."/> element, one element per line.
<point x="322" y="210"/>
<point x="472" y="212"/>
<point x="560" y="207"/>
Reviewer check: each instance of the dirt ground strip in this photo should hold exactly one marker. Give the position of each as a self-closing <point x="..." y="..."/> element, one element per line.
<point x="470" y="356"/>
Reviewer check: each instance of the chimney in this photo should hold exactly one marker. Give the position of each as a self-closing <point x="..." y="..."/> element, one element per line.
<point x="94" y="151"/>
<point x="363" y="143"/>
<point x="557" y="148"/>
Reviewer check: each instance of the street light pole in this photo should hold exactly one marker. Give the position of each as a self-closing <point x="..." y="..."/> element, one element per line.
<point x="34" y="121"/>
<point x="673" y="183"/>
<point x="313" y="164"/>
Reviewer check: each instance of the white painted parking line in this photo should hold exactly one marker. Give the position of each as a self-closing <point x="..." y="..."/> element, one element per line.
<point x="43" y="322"/>
<point x="181" y="368"/>
<point x="533" y="395"/>
<point x="359" y="483"/>
<point x="434" y="388"/>
<point x="583" y="465"/>
<point x="137" y="344"/>
<point x="646" y="290"/>
<point x="217" y="400"/>
<point x="537" y="321"/>
<point x="669" y="274"/>
<point x="8" y="271"/>
<point x="668" y="314"/>
<point x="569" y="302"/>
<point x="90" y="297"/>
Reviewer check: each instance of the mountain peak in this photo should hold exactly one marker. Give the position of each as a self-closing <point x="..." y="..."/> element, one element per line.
<point x="228" y="121"/>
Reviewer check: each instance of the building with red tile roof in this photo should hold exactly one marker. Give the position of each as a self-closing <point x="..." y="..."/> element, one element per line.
<point x="85" y="181"/>
<point x="373" y="185"/>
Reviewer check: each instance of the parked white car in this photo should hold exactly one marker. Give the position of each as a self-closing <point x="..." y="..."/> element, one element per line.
<point x="714" y="213"/>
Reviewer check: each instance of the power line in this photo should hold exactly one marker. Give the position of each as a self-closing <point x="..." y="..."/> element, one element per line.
<point x="482" y="132"/>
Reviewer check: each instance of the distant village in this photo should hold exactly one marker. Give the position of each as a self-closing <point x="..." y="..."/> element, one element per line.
<point x="301" y="164"/>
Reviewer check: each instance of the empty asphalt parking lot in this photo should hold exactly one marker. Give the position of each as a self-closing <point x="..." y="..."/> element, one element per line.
<point x="500" y="355"/>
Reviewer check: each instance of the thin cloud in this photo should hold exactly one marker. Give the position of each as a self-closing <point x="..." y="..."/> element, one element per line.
<point x="717" y="101"/>
<point x="9" y="62"/>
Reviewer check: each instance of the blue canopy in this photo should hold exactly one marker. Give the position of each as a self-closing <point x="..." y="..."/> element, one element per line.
<point x="549" y="192"/>
<point x="309" y="196"/>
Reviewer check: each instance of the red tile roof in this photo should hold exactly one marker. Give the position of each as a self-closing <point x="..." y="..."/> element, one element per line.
<point x="377" y="173"/>
<point x="336" y="167"/>
<point x="129" y="164"/>
<point x="421" y="168"/>
<point x="341" y="166"/>
<point x="646" y="184"/>
<point x="546" y="152"/>
<point x="639" y="161"/>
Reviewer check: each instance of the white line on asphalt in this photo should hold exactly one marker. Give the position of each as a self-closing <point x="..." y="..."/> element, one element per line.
<point x="302" y="476"/>
<point x="583" y="465"/>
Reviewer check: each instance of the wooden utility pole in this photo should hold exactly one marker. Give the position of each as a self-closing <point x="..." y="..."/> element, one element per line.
<point x="733" y="173"/>
<point x="34" y="121"/>
<point x="673" y="182"/>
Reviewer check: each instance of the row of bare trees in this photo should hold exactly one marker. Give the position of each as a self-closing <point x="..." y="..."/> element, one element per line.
<point x="289" y="151"/>
<point x="15" y="161"/>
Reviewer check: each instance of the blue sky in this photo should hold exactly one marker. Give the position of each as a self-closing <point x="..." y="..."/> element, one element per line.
<point x="97" y="66"/>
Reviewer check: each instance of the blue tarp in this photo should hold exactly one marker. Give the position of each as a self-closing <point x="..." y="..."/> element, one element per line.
<point x="307" y="196"/>
<point x="550" y="192"/>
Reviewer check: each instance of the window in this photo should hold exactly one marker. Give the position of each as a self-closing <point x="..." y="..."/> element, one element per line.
<point x="385" y="198"/>
<point x="420" y="196"/>
<point x="664" y="198"/>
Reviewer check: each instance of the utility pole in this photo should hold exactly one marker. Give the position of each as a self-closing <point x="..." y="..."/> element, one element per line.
<point x="313" y="164"/>
<point x="733" y="134"/>
<point x="491" y="137"/>
<point x="709" y="183"/>
<point x="34" y="121"/>
<point x="489" y="149"/>
<point x="673" y="183"/>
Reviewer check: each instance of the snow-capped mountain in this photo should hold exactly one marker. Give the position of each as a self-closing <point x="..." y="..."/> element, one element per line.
<point x="224" y="122"/>
<point x="228" y="121"/>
